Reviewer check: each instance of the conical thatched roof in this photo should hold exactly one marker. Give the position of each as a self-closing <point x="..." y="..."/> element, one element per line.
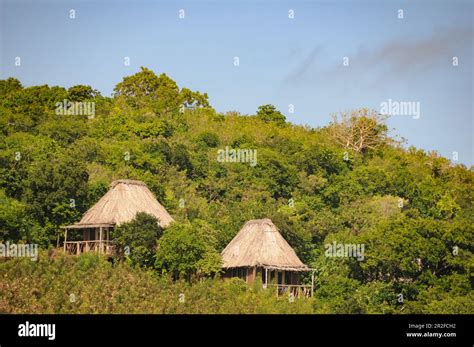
<point x="259" y="243"/>
<point x="121" y="203"/>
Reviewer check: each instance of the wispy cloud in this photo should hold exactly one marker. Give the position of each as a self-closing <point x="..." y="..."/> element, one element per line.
<point x="305" y="66"/>
<point x="394" y="60"/>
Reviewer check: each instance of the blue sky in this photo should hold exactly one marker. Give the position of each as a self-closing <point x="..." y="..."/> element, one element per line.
<point x="282" y="61"/>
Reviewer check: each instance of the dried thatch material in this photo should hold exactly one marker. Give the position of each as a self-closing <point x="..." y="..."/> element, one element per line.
<point x="121" y="203"/>
<point x="259" y="243"/>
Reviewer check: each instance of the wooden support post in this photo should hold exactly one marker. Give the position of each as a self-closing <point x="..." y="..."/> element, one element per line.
<point x="65" y="239"/>
<point x="276" y="281"/>
<point x="312" y="282"/>
<point x="266" y="278"/>
<point x="100" y="240"/>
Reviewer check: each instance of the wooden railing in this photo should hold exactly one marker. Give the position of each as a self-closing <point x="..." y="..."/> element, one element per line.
<point x="297" y="290"/>
<point x="78" y="247"/>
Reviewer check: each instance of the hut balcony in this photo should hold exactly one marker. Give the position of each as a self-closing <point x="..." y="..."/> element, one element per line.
<point x="95" y="246"/>
<point x="296" y="290"/>
<point x="80" y="239"/>
<point x="282" y="281"/>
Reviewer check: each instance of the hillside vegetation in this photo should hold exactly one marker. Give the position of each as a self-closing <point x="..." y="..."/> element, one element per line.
<point x="348" y="183"/>
<point x="89" y="284"/>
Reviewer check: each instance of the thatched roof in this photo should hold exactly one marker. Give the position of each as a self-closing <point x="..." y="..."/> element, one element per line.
<point x="121" y="203"/>
<point x="259" y="243"/>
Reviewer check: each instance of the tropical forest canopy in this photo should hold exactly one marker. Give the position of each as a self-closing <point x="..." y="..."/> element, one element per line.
<point x="348" y="182"/>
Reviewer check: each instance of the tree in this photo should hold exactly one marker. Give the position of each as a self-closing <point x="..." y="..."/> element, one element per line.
<point x="8" y="86"/>
<point x="194" y="99"/>
<point x="56" y="189"/>
<point x="137" y="239"/>
<point x="64" y="129"/>
<point x="82" y="92"/>
<point x="145" y="88"/>
<point x="359" y="130"/>
<point x="269" y="113"/>
<point x="161" y="93"/>
<point x="142" y="84"/>
<point x="12" y="213"/>
<point x="208" y="139"/>
<point x="188" y="249"/>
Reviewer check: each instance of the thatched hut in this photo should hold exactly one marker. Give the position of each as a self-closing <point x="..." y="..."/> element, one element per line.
<point x="120" y="204"/>
<point x="259" y="249"/>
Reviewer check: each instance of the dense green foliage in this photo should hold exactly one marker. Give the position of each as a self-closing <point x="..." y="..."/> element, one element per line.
<point x="89" y="284"/>
<point x="412" y="210"/>
<point x="188" y="249"/>
<point x="269" y="113"/>
<point x="137" y="239"/>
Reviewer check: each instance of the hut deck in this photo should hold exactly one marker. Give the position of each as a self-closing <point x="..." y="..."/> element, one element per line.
<point x="100" y="247"/>
<point x="296" y="290"/>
